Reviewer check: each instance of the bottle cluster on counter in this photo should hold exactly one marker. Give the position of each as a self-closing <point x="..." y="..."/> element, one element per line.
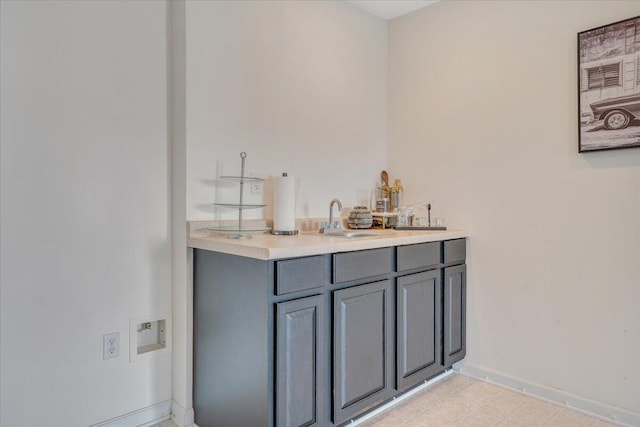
<point x="388" y="197"/>
<point x="388" y="209"/>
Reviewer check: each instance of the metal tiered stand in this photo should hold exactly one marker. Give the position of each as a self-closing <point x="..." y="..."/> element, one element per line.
<point x="240" y="231"/>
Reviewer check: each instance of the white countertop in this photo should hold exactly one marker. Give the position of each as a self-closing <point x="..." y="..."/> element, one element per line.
<point x="267" y="246"/>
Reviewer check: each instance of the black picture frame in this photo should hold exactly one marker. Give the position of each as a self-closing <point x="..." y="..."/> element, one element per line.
<point x="609" y="86"/>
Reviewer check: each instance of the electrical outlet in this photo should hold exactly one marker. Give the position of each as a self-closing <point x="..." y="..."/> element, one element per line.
<point x="110" y="346"/>
<point x="256" y="187"/>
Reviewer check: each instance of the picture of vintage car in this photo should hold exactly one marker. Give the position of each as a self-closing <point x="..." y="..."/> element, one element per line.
<point x="617" y="113"/>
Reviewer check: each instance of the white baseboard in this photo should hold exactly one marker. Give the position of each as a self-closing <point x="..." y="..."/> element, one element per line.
<point x="141" y="418"/>
<point x="603" y="411"/>
<point x="181" y="416"/>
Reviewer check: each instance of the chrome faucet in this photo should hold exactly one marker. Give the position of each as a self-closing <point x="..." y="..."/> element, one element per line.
<point x="331" y="226"/>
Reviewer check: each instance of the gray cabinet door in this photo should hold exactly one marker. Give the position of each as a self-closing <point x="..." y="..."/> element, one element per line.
<point x="299" y="362"/>
<point x="362" y="348"/>
<point x="418" y="328"/>
<point x="455" y="306"/>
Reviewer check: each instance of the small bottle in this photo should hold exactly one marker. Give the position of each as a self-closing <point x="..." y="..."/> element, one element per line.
<point x="396" y="194"/>
<point x="383" y="198"/>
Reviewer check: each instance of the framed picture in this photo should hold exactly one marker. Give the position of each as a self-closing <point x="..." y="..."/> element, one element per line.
<point x="609" y="86"/>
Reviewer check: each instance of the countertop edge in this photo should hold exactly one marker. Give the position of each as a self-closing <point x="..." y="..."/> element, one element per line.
<point x="268" y="247"/>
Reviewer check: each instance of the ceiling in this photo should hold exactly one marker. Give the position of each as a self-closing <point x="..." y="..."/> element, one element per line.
<point x="389" y="9"/>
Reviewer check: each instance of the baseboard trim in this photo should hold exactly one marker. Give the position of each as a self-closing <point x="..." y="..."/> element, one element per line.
<point x="141" y="418"/>
<point x="594" y="408"/>
<point x="181" y="416"/>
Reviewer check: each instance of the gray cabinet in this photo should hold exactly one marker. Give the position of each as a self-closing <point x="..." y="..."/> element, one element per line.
<point x="362" y="348"/>
<point x="317" y="341"/>
<point x="454" y="251"/>
<point x="300" y="368"/>
<point x="455" y="303"/>
<point x="418" y="328"/>
<point x="230" y="342"/>
<point x="419" y="256"/>
<point x="300" y="274"/>
<point x="356" y="265"/>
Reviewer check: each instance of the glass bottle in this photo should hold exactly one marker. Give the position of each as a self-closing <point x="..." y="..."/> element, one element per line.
<point x="383" y="198"/>
<point x="397" y="191"/>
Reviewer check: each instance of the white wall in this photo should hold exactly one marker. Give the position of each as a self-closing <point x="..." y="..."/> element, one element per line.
<point x="84" y="191"/>
<point x="302" y="87"/>
<point x="483" y="121"/>
<point x="299" y="86"/>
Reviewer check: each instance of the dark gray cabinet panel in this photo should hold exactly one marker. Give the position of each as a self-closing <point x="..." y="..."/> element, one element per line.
<point x="420" y="255"/>
<point x="455" y="303"/>
<point x="362" y="348"/>
<point x="300" y="274"/>
<point x="300" y="368"/>
<point x="276" y="346"/>
<point x="361" y="264"/>
<point x="231" y="352"/>
<point x="418" y="328"/>
<point x="455" y="251"/>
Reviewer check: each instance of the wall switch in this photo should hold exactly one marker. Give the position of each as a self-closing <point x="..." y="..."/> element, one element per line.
<point x="256" y="187"/>
<point x="110" y="346"/>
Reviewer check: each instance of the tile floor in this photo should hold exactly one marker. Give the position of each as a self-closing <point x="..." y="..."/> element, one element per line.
<point x="167" y="423"/>
<point x="460" y="401"/>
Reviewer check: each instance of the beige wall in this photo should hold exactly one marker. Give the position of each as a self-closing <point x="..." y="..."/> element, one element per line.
<point x="483" y="121"/>
<point x="300" y="86"/>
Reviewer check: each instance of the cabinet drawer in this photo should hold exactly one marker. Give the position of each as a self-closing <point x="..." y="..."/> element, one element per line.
<point x="300" y="274"/>
<point x="454" y="251"/>
<point x="420" y="255"/>
<point x="361" y="264"/>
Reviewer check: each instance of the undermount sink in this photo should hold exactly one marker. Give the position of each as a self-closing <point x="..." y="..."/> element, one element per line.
<point x="350" y="234"/>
